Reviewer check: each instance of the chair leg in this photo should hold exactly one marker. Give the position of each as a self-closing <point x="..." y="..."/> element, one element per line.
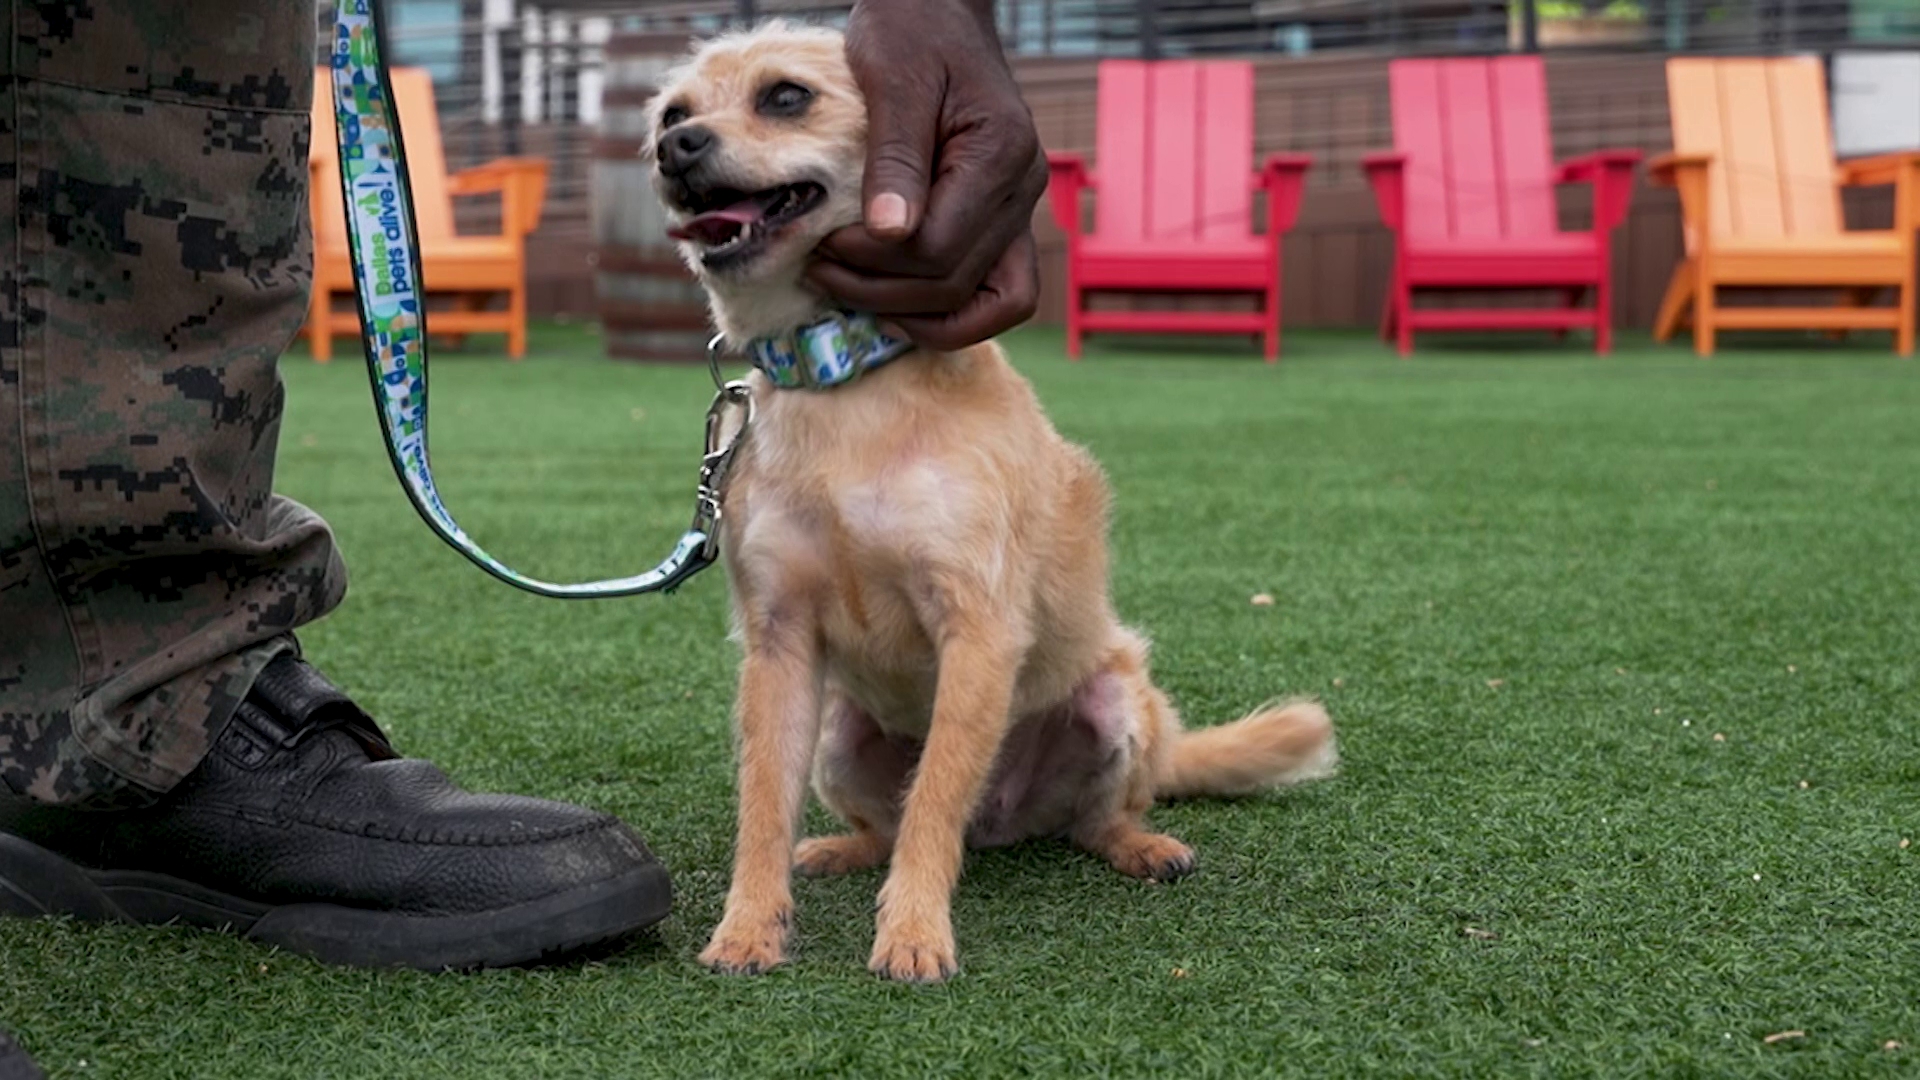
<point x="1603" y="314"/>
<point x="1857" y="297"/>
<point x="517" y="307"/>
<point x="1569" y="298"/>
<point x="463" y="303"/>
<point x="1674" y="305"/>
<point x="1903" y="337"/>
<point x="1704" y="316"/>
<point x="320" y="324"/>
<point x="1403" y="317"/>
<point x="1271" y="334"/>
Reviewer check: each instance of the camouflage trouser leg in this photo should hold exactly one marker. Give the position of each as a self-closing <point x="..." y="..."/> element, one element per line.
<point x="155" y="259"/>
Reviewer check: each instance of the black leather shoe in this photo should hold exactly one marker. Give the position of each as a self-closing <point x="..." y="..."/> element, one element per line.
<point x="303" y="829"/>
<point x="14" y="1062"/>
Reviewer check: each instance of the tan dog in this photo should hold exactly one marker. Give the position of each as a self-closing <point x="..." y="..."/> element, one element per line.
<point x="919" y="565"/>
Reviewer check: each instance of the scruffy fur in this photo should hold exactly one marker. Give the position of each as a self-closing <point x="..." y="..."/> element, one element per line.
<point x="919" y="571"/>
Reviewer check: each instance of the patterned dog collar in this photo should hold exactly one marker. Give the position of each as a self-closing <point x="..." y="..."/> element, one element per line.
<point x="825" y="354"/>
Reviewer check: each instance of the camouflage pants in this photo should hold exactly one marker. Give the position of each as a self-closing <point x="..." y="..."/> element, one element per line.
<point x="154" y="247"/>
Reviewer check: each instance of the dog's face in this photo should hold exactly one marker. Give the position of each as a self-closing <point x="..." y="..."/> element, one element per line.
<point x="758" y="145"/>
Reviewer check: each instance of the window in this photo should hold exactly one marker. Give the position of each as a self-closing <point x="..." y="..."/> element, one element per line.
<point x="426" y="33"/>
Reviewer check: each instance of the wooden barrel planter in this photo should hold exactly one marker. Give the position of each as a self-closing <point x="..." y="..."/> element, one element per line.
<point x="649" y="305"/>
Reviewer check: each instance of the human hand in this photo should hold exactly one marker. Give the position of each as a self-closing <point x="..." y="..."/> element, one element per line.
<point x="954" y="169"/>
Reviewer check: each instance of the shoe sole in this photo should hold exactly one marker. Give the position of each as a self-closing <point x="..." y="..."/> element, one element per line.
<point x="14" y="1062"/>
<point x="35" y="882"/>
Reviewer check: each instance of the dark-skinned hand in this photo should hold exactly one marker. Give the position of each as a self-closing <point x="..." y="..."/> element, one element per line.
<point x="954" y="169"/>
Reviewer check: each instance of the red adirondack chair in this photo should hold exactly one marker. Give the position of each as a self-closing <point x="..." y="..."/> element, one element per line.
<point x="1469" y="192"/>
<point x="1173" y="171"/>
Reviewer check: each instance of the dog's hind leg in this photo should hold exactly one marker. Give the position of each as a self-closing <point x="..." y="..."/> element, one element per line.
<point x="860" y="774"/>
<point x="1121" y="704"/>
<point x="1134" y="850"/>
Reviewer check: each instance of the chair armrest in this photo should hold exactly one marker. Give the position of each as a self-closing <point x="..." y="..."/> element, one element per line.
<point x="1583" y="169"/>
<point x="521" y="182"/>
<point x="1665" y="169"/>
<point x="1282" y="177"/>
<point x="1611" y="174"/>
<point x="1387" y="173"/>
<point x="1879" y="170"/>
<point x="1688" y="174"/>
<point x="1902" y="170"/>
<point x="1067" y="177"/>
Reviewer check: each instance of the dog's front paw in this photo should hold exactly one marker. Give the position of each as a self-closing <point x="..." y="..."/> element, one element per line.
<point x="914" y="949"/>
<point x="748" y="945"/>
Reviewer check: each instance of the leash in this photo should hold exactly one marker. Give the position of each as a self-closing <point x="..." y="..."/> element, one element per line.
<point x="391" y="296"/>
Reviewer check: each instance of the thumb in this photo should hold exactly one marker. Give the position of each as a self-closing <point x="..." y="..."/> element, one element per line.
<point x="900" y="138"/>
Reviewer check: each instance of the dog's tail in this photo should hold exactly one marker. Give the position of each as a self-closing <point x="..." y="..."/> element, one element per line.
<point x="1279" y="744"/>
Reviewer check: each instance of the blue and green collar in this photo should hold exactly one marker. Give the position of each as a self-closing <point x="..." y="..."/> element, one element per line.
<point x="825" y="354"/>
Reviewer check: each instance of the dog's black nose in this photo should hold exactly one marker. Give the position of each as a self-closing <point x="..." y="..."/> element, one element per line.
<point x="683" y="147"/>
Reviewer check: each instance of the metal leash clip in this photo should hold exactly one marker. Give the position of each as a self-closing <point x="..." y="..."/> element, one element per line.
<point x="717" y="463"/>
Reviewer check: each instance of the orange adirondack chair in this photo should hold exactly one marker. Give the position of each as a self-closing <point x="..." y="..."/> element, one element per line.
<point x="1760" y="198"/>
<point x="472" y="269"/>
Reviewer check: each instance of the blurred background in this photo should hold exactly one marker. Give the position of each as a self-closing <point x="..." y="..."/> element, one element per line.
<point x="565" y="81"/>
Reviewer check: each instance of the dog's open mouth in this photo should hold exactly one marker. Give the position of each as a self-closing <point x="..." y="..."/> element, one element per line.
<point x="734" y="225"/>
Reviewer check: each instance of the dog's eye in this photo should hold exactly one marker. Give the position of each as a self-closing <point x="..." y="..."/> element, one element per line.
<point x="674" y="115"/>
<point x="785" y="99"/>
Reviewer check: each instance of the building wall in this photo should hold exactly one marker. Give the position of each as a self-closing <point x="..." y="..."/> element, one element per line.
<point x="1337" y="259"/>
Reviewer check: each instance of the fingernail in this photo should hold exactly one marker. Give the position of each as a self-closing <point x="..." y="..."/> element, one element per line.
<point x="887" y="213"/>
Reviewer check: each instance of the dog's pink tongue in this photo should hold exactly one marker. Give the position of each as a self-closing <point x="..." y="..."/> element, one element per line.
<point x="719" y="226"/>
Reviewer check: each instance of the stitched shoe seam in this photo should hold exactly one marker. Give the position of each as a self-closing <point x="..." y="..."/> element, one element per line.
<point x="433" y="838"/>
<point x="369" y="904"/>
<point x="453" y="913"/>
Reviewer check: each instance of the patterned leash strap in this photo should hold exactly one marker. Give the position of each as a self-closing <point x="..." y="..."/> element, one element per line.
<point x="387" y="285"/>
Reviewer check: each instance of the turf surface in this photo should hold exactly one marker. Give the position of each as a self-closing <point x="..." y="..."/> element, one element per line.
<point x="1622" y="653"/>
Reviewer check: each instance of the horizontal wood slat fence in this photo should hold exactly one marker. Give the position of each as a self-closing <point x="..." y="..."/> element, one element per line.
<point x="1338" y="258"/>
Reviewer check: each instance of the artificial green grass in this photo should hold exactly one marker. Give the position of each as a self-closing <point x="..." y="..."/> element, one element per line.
<point x="1622" y="653"/>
